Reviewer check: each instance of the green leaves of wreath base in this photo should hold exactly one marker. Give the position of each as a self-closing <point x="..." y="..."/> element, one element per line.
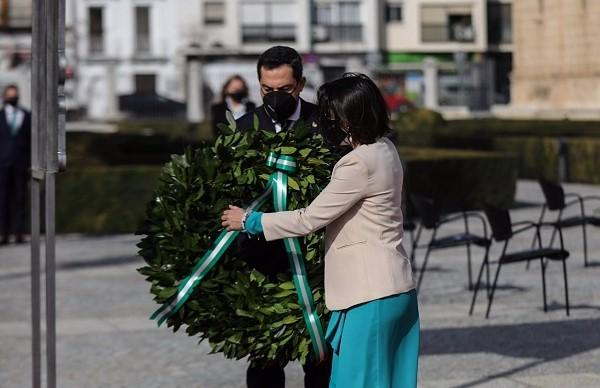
<point x="240" y="311"/>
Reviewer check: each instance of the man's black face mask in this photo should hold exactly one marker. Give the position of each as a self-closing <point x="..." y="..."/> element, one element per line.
<point x="280" y="105"/>
<point x="332" y="132"/>
<point x="14" y="101"/>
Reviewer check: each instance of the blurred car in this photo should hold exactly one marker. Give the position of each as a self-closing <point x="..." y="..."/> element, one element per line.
<point x="150" y="105"/>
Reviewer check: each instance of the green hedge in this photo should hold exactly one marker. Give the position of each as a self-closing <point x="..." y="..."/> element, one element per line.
<point x="99" y="149"/>
<point x="461" y="179"/>
<point x="538" y="157"/>
<point x="103" y="199"/>
<point x="112" y="199"/>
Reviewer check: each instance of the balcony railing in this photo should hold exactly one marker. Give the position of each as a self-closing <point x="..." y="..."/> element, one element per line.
<point x="96" y="45"/>
<point x="142" y="44"/>
<point x="269" y="33"/>
<point x="340" y="33"/>
<point x="443" y="33"/>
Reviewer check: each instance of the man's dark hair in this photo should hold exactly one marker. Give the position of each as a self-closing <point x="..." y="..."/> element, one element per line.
<point x="278" y="56"/>
<point x="356" y="100"/>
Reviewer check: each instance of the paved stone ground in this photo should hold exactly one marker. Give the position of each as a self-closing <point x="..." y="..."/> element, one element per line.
<point x="106" y="340"/>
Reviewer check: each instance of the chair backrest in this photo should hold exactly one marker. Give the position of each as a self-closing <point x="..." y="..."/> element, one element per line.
<point x="500" y="222"/>
<point x="426" y="209"/>
<point x="554" y="194"/>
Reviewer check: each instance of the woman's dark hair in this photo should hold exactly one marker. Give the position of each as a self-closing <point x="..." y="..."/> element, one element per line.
<point x="355" y="100"/>
<point x="278" y="56"/>
<point x="230" y="80"/>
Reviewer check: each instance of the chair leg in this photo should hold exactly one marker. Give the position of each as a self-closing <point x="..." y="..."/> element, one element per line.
<point x="487" y="274"/>
<point x="544" y="283"/>
<point x="478" y="283"/>
<point x="469" y="273"/>
<point x="491" y="299"/>
<point x="423" y="268"/>
<point x="585" y="246"/>
<point x="564" y="262"/>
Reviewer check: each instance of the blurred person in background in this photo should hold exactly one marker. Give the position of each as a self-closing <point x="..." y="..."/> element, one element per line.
<point x="234" y="98"/>
<point x="15" y="151"/>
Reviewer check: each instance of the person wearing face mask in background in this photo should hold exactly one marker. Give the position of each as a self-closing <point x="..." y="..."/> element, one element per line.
<point x="15" y="155"/>
<point x="234" y="98"/>
<point x="281" y="81"/>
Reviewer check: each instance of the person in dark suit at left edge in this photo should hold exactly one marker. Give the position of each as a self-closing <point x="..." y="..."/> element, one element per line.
<point x="234" y="98"/>
<point x="15" y="155"/>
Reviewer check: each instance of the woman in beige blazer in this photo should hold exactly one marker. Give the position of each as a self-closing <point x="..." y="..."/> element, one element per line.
<point x="374" y="328"/>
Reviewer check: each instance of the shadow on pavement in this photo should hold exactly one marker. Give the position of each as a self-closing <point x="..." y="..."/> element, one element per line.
<point x="541" y="341"/>
<point x="75" y="265"/>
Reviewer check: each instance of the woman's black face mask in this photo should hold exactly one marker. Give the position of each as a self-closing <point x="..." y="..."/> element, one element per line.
<point x="238" y="96"/>
<point x="332" y="132"/>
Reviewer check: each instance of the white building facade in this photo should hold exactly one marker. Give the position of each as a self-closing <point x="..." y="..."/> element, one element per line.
<point x="125" y="47"/>
<point x="186" y="49"/>
<point x="464" y="47"/>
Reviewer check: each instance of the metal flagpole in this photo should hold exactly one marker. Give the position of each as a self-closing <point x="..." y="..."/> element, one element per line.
<point x="38" y="81"/>
<point x="47" y="158"/>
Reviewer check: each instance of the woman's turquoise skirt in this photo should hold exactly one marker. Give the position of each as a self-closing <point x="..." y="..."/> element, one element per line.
<point x="376" y="344"/>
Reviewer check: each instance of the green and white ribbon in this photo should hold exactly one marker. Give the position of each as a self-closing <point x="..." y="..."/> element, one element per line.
<point x="278" y="184"/>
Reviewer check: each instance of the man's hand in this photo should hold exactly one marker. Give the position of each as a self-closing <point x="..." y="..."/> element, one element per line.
<point x="232" y="218"/>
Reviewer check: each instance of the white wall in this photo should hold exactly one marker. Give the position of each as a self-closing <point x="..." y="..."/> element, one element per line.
<point x="171" y="28"/>
<point x="406" y="36"/>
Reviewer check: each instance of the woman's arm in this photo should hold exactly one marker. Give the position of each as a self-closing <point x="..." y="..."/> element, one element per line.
<point x="347" y="186"/>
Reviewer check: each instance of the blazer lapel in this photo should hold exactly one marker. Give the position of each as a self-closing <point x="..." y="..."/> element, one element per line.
<point x="264" y="120"/>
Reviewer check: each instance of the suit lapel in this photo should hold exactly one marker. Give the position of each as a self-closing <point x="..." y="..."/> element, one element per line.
<point x="264" y="120"/>
<point x="4" y="127"/>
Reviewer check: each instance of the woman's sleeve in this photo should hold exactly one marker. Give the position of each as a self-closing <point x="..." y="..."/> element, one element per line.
<point x="253" y="223"/>
<point x="347" y="186"/>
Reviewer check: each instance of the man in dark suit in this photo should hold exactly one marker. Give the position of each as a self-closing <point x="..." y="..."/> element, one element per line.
<point x="281" y="81"/>
<point x="15" y="151"/>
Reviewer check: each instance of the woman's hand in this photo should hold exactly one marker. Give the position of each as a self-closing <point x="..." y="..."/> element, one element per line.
<point x="232" y="218"/>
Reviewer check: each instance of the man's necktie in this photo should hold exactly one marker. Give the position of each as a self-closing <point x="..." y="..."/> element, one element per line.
<point x="289" y="124"/>
<point x="14" y="129"/>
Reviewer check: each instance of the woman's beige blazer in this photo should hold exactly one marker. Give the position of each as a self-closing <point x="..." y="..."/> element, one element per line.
<point x="361" y="210"/>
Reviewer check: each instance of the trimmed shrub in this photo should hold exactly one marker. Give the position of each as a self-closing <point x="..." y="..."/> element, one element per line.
<point x="460" y="179"/>
<point x="97" y="149"/>
<point x="584" y="160"/>
<point x="103" y="199"/>
<point x="111" y="199"/>
<point x="537" y="157"/>
<point x="417" y="127"/>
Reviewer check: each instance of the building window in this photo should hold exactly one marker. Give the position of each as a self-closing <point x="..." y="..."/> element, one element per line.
<point x="499" y="23"/>
<point x="15" y="15"/>
<point x="145" y="83"/>
<point x="96" y="30"/>
<point x="142" y="30"/>
<point x="337" y="22"/>
<point x="393" y="13"/>
<point x="451" y="23"/>
<point x="214" y="12"/>
<point x="265" y="22"/>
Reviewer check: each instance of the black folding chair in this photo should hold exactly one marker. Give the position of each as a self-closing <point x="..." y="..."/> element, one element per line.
<point x="502" y="230"/>
<point x="432" y="220"/>
<point x="556" y="201"/>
